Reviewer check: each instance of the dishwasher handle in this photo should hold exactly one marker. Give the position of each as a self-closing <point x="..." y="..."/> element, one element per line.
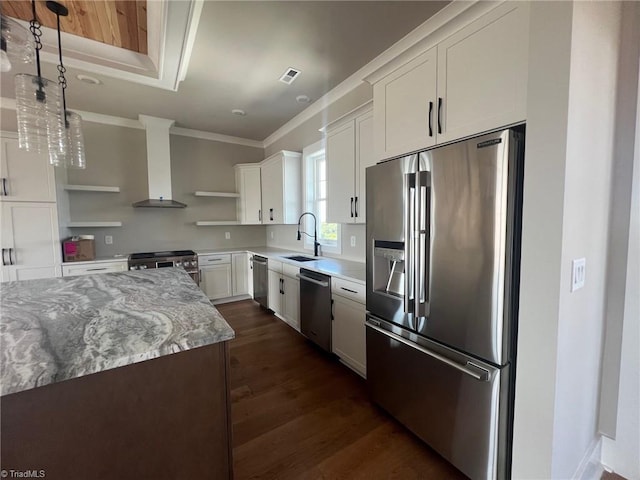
<point x="312" y="280"/>
<point x="260" y="262"/>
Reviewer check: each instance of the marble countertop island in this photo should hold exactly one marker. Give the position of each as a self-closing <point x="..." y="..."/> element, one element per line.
<point x="61" y="328"/>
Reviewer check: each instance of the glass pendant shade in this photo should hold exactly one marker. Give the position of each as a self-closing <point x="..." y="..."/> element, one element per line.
<point x="17" y="43"/>
<point x="75" y="141"/>
<point x="40" y="116"/>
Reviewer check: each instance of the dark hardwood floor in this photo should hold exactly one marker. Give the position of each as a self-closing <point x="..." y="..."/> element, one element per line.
<point x="299" y="414"/>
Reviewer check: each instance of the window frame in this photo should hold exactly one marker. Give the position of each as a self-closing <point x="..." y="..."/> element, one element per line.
<point x="310" y="204"/>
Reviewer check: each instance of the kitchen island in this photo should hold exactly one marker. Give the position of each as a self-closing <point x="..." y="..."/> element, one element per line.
<point x="118" y="375"/>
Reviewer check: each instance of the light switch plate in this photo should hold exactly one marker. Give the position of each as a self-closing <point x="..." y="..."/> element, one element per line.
<point x="353" y="240"/>
<point x="108" y="240"/>
<point x="227" y="235"/>
<point x="578" y="273"/>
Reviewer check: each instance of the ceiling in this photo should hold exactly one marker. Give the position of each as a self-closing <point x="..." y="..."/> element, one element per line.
<point x="119" y="23"/>
<point x="240" y="51"/>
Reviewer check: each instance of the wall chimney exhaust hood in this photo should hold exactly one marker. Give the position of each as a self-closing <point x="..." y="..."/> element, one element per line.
<point x="158" y="163"/>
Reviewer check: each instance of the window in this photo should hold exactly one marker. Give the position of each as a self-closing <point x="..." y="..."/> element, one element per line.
<point x="315" y="200"/>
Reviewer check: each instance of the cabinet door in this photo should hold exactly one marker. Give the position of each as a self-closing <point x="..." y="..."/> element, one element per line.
<point x="340" y="158"/>
<point x="272" y="188"/>
<point x="215" y="281"/>
<point x="292" y="301"/>
<point x="401" y="103"/>
<point x="482" y="73"/>
<point x="27" y="177"/>
<point x="250" y="202"/>
<point x="364" y="159"/>
<point x="275" y="291"/>
<point x="30" y="230"/>
<point x="348" y="333"/>
<point x="240" y="263"/>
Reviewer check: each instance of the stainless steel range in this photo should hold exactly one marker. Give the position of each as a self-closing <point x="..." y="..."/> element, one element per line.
<point x="186" y="259"/>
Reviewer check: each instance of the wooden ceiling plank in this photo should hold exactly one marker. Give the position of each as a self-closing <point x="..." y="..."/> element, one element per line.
<point x="125" y="11"/>
<point x="141" y="20"/>
<point x="122" y="23"/>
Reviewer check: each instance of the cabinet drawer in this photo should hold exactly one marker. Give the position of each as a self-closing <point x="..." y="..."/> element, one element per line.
<point x="345" y="288"/>
<point x="274" y="265"/>
<point x="204" y="260"/>
<point x="290" y="270"/>
<point x="88" y="269"/>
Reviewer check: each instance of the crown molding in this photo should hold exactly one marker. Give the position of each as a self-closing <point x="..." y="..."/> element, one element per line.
<point x="10" y="104"/>
<point x="442" y="24"/>
<point x="216" y="137"/>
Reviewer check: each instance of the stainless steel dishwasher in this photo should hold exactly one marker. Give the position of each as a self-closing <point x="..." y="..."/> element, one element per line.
<point x="315" y="307"/>
<point x="260" y="280"/>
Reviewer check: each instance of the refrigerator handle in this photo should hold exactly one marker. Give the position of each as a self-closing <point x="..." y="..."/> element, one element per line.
<point x="409" y="288"/>
<point x="424" y="245"/>
<point x="469" y="368"/>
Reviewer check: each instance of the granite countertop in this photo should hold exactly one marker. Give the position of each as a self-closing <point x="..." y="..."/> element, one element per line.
<point x="56" y="329"/>
<point x="346" y="269"/>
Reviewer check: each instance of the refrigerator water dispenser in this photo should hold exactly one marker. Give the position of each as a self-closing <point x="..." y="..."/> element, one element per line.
<point x="388" y="268"/>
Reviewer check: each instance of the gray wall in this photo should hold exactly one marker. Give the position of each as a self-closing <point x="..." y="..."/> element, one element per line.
<point x="117" y="156"/>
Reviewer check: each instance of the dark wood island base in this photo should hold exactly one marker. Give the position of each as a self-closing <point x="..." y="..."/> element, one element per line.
<point x="166" y="418"/>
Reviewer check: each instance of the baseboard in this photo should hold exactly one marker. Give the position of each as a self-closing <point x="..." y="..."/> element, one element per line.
<point x="230" y="299"/>
<point x="590" y="467"/>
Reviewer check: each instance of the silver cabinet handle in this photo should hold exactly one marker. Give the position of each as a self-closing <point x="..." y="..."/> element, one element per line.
<point x="214" y="259"/>
<point x="312" y="280"/>
<point x="483" y="376"/>
<point x="96" y="269"/>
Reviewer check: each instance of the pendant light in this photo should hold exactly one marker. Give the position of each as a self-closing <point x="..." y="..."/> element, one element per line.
<point x="73" y="138"/>
<point x="15" y="44"/>
<point x="39" y="107"/>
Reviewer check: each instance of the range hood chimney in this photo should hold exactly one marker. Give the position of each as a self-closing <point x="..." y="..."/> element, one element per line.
<point x="158" y="163"/>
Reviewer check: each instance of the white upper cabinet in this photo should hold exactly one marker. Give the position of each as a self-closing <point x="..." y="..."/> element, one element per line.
<point x="281" y="193"/>
<point x="249" y="187"/>
<point x="473" y="81"/>
<point x="349" y="151"/>
<point x="482" y="73"/>
<point x="404" y="107"/>
<point x="24" y="176"/>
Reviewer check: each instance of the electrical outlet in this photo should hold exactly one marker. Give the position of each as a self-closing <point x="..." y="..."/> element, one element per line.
<point x="353" y="240"/>
<point x="227" y="235"/>
<point x="271" y="233"/>
<point x="578" y="273"/>
<point x="108" y="240"/>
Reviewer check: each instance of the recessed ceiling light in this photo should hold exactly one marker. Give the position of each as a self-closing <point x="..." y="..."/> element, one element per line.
<point x="88" y="79"/>
<point x="303" y="99"/>
<point x="237" y="111"/>
<point x="289" y="75"/>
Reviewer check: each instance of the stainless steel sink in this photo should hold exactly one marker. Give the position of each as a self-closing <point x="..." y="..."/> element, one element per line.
<point x="301" y="258"/>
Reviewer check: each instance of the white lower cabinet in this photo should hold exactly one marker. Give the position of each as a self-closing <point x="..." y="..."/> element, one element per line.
<point x="239" y="262"/>
<point x="30" y="241"/>
<point x="215" y="275"/>
<point x="284" y="292"/>
<point x="90" y="268"/>
<point x="348" y="336"/>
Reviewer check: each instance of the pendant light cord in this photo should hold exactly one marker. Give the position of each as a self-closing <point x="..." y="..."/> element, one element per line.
<point x="61" y="71"/>
<point x="36" y="31"/>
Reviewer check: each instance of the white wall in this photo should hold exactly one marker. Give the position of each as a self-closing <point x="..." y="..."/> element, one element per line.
<point x="545" y="156"/>
<point x="622" y="453"/>
<point x="587" y="192"/>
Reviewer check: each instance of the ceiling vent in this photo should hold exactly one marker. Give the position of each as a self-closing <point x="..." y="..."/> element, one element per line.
<point x="289" y="75"/>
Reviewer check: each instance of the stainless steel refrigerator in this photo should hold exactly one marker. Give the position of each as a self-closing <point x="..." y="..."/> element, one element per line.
<point x="443" y="255"/>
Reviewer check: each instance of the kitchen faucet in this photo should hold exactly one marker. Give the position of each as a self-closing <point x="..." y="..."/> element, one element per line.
<point x="315" y="232"/>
